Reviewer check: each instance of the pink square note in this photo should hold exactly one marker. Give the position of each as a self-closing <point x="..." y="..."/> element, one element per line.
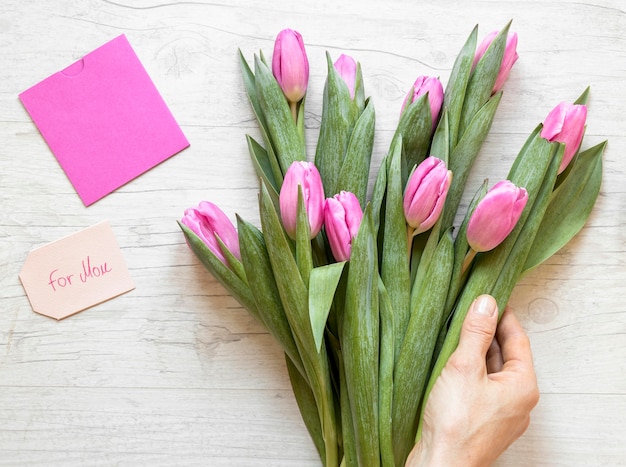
<point x="104" y="120"/>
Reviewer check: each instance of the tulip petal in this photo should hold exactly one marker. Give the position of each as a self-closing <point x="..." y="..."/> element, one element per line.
<point x="343" y="216"/>
<point x="306" y="175"/>
<point x="425" y="194"/>
<point x="553" y="124"/>
<point x="208" y="221"/>
<point x="219" y="223"/>
<point x="290" y="64"/>
<point x="495" y="216"/>
<point x="566" y="124"/>
<point x="426" y="85"/>
<point x="346" y="67"/>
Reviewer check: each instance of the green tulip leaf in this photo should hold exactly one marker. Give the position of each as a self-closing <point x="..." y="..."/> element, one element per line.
<point x="359" y="89"/>
<point x="263" y="59"/>
<point x="464" y="154"/>
<point x="385" y="376"/>
<point x="232" y="260"/>
<point x="413" y="361"/>
<point x="394" y="269"/>
<point x="250" y="85"/>
<point x="266" y="167"/>
<point x="532" y="140"/>
<point x="304" y="255"/>
<point x="454" y="95"/>
<point x="360" y="341"/>
<point x="291" y="288"/>
<point x="482" y="79"/>
<point x="263" y="286"/>
<point x="286" y="141"/>
<point x="415" y="127"/>
<point x="231" y="281"/>
<point x="322" y="286"/>
<point x="308" y="406"/>
<point x="354" y="174"/>
<point x="527" y="229"/>
<point x="339" y="114"/>
<point x="583" y="98"/>
<point x="570" y="206"/>
<point x="347" y="424"/>
<point x="531" y="165"/>
<point x="440" y="146"/>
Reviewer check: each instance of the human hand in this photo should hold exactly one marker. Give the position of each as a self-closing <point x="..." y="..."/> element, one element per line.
<point x="481" y="402"/>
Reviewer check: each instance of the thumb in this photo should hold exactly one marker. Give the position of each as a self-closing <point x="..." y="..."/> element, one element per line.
<point x="478" y="328"/>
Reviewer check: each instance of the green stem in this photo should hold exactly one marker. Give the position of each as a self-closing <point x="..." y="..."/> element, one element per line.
<point x="294" y="111"/>
<point x="410" y="233"/>
<point x="316" y="366"/>
<point x="469" y="257"/>
<point x="327" y="415"/>
<point x="330" y="437"/>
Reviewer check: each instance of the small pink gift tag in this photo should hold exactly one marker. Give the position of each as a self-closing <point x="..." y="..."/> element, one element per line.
<point x="75" y="272"/>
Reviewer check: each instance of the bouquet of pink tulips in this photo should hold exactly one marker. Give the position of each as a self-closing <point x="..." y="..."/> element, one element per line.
<point x="366" y="289"/>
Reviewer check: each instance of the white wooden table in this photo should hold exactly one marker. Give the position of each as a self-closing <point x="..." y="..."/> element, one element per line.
<point x="175" y="372"/>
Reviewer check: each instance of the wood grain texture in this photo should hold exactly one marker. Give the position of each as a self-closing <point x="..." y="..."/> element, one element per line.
<point x="175" y="372"/>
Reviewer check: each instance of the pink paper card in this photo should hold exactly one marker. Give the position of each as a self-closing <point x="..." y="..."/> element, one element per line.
<point x="75" y="272"/>
<point x="104" y="120"/>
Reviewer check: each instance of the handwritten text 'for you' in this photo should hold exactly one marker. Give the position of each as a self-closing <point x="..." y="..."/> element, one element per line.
<point x="89" y="271"/>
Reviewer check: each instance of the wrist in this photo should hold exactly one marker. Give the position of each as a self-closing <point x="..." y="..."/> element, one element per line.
<point x="423" y="456"/>
<point x="430" y="456"/>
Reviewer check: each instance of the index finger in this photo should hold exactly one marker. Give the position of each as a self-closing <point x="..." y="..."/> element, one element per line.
<point x="514" y="343"/>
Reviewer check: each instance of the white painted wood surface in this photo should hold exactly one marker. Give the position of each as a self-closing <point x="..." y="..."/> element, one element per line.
<point x="175" y="372"/>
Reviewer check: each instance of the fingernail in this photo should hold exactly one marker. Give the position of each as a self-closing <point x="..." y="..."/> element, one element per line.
<point x="484" y="305"/>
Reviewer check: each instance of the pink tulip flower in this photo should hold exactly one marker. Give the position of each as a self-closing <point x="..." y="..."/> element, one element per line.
<point x="342" y="219"/>
<point x="290" y="64"/>
<point x="495" y="216"/>
<point x="508" y="60"/>
<point x="425" y="194"/>
<point x="346" y="67"/>
<point x="209" y="222"/>
<point x="566" y="124"/>
<point x="434" y="88"/>
<point x="306" y="175"/>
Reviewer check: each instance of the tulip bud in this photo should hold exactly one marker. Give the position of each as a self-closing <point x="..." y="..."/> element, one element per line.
<point x="509" y="58"/>
<point x="423" y="85"/>
<point x="346" y="67"/>
<point x="290" y="64"/>
<point x="425" y="194"/>
<point x="306" y="175"/>
<point x="342" y="219"/>
<point x="495" y="216"/>
<point x="566" y="124"/>
<point x="209" y="222"/>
